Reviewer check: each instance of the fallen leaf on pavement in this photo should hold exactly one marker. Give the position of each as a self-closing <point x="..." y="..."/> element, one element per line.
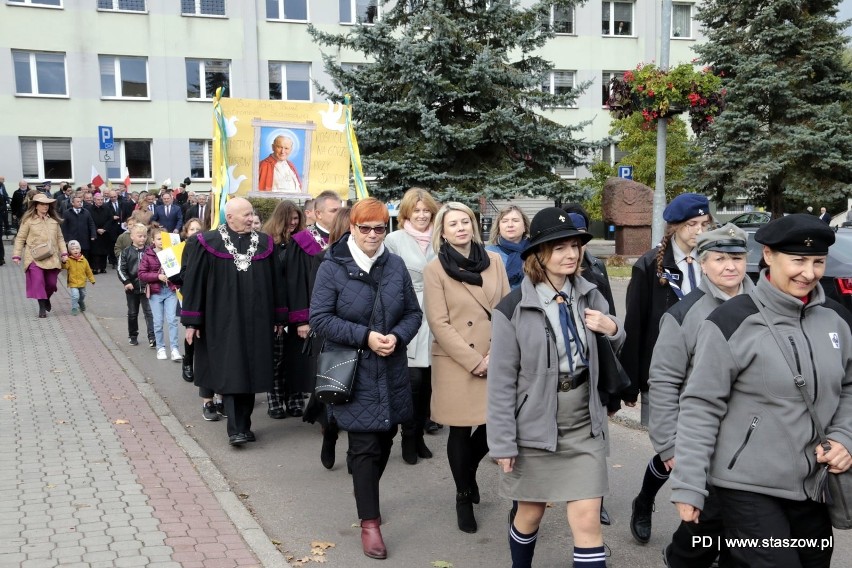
<point x="61" y="422"/>
<point x="121" y="421"/>
<point x="321" y="545"/>
<point x="9" y="397"/>
<point x="243" y="496"/>
<point x="320" y="559"/>
<point x="276" y="542"/>
<point x="442" y="564"/>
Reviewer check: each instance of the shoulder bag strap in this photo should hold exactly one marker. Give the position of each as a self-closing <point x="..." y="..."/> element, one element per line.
<point x="797" y="375"/>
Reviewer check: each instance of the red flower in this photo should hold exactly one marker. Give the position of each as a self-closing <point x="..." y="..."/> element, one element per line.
<point x="693" y="98"/>
<point x="650" y="93"/>
<point x="640" y="88"/>
<point x="628" y="76"/>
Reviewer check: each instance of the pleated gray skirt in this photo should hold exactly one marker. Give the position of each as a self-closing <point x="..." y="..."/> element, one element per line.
<point x="576" y="470"/>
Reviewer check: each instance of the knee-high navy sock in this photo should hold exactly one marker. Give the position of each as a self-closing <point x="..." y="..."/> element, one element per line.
<point x="590" y="557"/>
<point x="656" y="476"/>
<point x="522" y="547"/>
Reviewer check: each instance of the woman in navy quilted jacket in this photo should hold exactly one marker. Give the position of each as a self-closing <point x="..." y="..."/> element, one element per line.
<point x="356" y="268"/>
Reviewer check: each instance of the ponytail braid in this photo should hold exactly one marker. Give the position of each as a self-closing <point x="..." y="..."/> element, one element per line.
<point x="661" y="251"/>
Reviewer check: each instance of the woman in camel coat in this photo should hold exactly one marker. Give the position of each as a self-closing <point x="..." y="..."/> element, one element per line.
<point x="461" y="287"/>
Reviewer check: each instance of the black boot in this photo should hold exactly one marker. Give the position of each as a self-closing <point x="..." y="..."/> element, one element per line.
<point x="640" y="520"/>
<point x="42" y="309"/>
<point x="464" y="512"/>
<point x="329" y="441"/>
<point x="187" y="374"/>
<point x="422" y="450"/>
<point x="474" y="487"/>
<point x="409" y="449"/>
<point x="47" y="304"/>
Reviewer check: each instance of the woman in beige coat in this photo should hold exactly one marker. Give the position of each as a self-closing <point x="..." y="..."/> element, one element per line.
<point x="40" y="240"/>
<point x="462" y="286"/>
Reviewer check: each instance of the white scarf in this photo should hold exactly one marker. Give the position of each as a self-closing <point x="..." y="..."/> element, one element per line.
<point x="363" y="261"/>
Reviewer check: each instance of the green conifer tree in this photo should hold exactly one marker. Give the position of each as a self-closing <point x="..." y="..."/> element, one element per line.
<point x="452" y="99"/>
<point x="783" y="135"/>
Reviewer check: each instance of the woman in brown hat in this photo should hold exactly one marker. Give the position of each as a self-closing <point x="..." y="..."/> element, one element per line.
<point x="40" y="239"/>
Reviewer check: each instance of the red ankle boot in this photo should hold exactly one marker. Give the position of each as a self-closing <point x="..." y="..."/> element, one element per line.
<point x="371" y="539"/>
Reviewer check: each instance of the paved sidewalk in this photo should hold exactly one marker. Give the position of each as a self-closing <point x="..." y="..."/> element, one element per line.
<point x="91" y="475"/>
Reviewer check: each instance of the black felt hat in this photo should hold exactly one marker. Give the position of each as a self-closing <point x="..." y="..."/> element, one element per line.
<point x="552" y="224"/>
<point x="798" y="234"/>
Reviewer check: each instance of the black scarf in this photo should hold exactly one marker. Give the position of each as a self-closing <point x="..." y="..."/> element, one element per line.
<point x="464" y="269"/>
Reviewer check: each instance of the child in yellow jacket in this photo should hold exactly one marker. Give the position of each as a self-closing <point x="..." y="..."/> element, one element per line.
<point x="78" y="271"/>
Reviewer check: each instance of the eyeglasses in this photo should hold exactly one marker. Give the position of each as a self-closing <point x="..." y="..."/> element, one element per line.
<point x="365" y="229"/>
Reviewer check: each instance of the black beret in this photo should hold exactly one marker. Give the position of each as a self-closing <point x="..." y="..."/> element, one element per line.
<point x="686" y="206"/>
<point x="799" y="234"/>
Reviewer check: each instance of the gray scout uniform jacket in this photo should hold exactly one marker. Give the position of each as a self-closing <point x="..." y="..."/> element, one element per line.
<point x="672" y="360"/>
<point x="524" y="369"/>
<point x="743" y="424"/>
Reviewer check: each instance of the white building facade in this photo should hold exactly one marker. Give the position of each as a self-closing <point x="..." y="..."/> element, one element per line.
<point x="149" y="68"/>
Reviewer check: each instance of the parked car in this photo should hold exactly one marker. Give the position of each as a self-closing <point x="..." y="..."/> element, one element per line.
<point x="754" y="219"/>
<point x="837" y="280"/>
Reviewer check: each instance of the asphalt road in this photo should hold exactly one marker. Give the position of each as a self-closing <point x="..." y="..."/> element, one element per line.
<point x="297" y="501"/>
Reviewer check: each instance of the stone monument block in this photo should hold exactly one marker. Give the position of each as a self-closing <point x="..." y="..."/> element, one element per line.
<point x="629" y="205"/>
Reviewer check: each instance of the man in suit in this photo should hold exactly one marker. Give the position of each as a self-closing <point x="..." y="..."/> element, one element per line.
<point x="18" y="201"/>
<point x="201" y="210"/>
<point x="4" y="208"/>
<point x="168" y="214"/>
<point x="824" y="216"/>
<point x="121" y="211"/>
<point x="78" y="225"/>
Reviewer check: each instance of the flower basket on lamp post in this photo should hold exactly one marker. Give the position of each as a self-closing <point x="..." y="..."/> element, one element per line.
<point x="660" y="94"/>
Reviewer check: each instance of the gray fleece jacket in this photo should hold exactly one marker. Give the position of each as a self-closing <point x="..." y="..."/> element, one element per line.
<point x="672" y="360"/>
<point x="523" y="371"/>
<point x="743" y="424"/>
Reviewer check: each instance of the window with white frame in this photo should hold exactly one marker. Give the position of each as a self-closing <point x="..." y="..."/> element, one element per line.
<point x="204" y="76"/>
<point x="135" y="155"/>
<point x="359" y="11"/>
<point x="39" y="73"/>
<point x="566" y="172"/>
<point x="606" y="78"/>
<point x="123" y="77"/>
<point x="47" y="158"/>
<point x="617" y="18"/>
<point x="611" y="154"/>
<point x="562" y="19"/>
<point x="558" y="82"/>
<point x="202" y="7"/>
<point x="122" y="5"/>
<point x="681" y="20"/>
<point x="200" y="159"/>
<point x="289" y="81"/>
<point x="287" y="10"/>
<point x="50" y="3"/>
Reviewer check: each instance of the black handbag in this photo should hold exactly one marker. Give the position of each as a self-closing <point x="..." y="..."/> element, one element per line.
<point x="833" y="489"/>
<point x="336" y="369"/>
<point x="612" y="378"/>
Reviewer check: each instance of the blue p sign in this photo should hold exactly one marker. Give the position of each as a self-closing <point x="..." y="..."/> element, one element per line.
<point x="625" y="172"/>
<point x="105" y="139"/>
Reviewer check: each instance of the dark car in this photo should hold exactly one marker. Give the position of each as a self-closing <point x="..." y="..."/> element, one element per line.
<point x="837" y="280"/>
<point x="754" y="219"/>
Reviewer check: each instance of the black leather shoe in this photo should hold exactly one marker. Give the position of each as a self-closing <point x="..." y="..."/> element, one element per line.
<point x="640" y="520"/>
<point x="277" y="413"/>
<point x="187" y="374"/>
<point x="295" y="412"/>
<point x="605" y="518"/>
<point x="250" y="436"/>
<point x="237" y="439"/>
<point x="409" y="449"/>
<point x="432" y="427"/>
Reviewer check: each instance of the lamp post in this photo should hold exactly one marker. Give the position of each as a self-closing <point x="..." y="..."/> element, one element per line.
<point x="657" y="225"/>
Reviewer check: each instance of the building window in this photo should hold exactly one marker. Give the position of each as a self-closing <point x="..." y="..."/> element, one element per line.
<point x="39" y="73"/>
<point x="135" y="156"/>
<point x="122" y="5"/>
<point x="202" y="7"/>
<point x="359" y="11"/>
<point x="682" y="20"/>
<point x="289" y="81"/>
<point x="566" y="172"/>
<point x="606" y="77"/>
<point x="562" y="20"/>
<point x="49" y="158"/>
<point x="558" y="82"/>
<point x="287" y="10"/>
<point x="617" y="18"/>
<point x="50" y="3"/>
<point x="612" y="155"/>
<point x="200" y="159"/>
<point x="204" y="76"/>
<point x="124" y="77"/>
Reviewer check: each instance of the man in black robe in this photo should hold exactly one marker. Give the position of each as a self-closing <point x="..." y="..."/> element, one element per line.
<point x="232" y="303"/>
<point x="301" y="262"/>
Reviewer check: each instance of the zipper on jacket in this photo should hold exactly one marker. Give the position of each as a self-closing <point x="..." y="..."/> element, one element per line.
<point x="751" y="428"/>
<point x="523" y="402"/>
<point x="810" y="351"/>
<point x="547" y="333"/>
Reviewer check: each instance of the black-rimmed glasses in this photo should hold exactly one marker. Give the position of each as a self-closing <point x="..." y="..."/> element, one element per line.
<point x="379" y="229"/>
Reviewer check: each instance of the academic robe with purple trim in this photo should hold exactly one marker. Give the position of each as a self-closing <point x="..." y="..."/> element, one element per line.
<point x="236" y="312"/>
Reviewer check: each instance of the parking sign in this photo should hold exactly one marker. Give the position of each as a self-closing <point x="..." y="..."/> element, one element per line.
<point x="625" y="172"/>
<point x="105" y="139"/>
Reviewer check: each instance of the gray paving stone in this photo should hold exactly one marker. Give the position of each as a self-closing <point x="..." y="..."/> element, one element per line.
<point x="133" y="545"/>
<point x="39" y="563"/>
<point x="118" y="531"/>
<point x="130" y="561"/>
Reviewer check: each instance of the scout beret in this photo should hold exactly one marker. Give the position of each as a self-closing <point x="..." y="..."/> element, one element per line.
<point x="729" y="238"/>
<point x="799" y="234"/>
<point x="578" y="221"/>
<point x="686" y="206"/>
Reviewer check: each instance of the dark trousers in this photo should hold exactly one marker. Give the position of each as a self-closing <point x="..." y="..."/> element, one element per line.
<point x="684" y="552"/>
<point x="465" y="449"/>
<point x="752" y="515"/>
<point x="276" y="397"/>
<point x="368" y="456"/>
<point x="98" y="262"/>
<point x="421" y="395"/>
<point x="238" y="407"/>
<point x="133" y="302"/>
